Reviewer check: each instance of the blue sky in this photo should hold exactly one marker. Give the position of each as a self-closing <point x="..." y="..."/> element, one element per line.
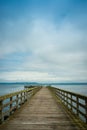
<point x="43" y="40"/>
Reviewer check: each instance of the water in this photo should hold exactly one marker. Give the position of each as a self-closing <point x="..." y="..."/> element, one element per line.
<point x="80" y="89"/>
<point x="6" y="88"/>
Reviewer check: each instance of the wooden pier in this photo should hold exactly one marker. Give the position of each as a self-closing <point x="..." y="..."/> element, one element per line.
<point x="44" y="111"/>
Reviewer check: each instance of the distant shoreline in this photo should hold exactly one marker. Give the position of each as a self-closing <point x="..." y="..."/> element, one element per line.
<point x="36" y="83"/>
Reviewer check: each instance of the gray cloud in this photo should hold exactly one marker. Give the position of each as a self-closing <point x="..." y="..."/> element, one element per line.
<point x="53" y="52"/>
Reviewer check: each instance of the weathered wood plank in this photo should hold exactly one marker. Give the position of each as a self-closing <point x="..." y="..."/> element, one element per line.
<point x="42" y="112"/>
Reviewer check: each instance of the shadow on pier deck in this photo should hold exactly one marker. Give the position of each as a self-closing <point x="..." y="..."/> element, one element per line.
<point x="42" y="112"/>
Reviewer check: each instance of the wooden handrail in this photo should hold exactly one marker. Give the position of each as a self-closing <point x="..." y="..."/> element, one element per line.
<point x="11" y="102"/>
<point x="76" y="103"/>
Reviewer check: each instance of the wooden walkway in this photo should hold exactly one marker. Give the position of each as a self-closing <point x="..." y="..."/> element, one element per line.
<point x="42" y="112"/>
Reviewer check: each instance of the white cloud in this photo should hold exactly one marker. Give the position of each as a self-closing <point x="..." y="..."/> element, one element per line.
<point x="54" y="52"/>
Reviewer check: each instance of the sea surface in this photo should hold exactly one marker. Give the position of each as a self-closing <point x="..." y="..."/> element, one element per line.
<point x="6" y="88"/>
<point x="80" y="89"/>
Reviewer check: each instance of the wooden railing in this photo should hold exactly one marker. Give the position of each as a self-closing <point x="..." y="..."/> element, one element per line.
<point x="76" y="103"/>
<point x="11" y="102"/>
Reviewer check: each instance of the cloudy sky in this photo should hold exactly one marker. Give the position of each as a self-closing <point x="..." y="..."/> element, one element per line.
<point x="43" y="40"/>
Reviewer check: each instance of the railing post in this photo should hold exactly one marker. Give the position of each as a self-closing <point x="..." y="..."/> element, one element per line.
<point x="17" y="101"/>
<point x="71" y="102"/>
<point x="67" y="99"/>
<point x="64" y="96"/>
<point x="26" y="95"/>
<point x="77" y="105"/>
<point x="1" y="115"/>
<point x="10" y="105"/>
<point x="64" y="99"/>
<point x="21" y="98"/>
<point x="61" y="95"/>
<point x="86" y="109"/>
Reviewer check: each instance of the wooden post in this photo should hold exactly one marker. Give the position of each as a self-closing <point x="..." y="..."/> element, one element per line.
<point x="1" y="115"/>
<point x="10" y="105"/>
<point x="21" y="98"/>
<point x="67" y="99"/>
<point x="61" y="95"/>
<point x="86" y="109"/>
<point x="77" y="105"/>
<point x="64" y="99"/>
<point x="26" y="95"/>
<point x="71" y="102"/>
<point x="17" y="101"/>
<point x="25" y="98"/>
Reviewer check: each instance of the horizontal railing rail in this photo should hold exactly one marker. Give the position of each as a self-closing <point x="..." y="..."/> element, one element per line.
<point x="76" y="103"/>
<point x="9" y="103"/>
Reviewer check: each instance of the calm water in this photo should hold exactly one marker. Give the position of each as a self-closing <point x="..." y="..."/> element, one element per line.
<point x="81" y="89"/>
<point x="8" y="88"/>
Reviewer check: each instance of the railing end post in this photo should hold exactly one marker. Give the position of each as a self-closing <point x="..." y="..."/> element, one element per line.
<point x="1" y="114"/>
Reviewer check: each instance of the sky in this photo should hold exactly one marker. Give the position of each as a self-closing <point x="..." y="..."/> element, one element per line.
<point x="43" y="40"/>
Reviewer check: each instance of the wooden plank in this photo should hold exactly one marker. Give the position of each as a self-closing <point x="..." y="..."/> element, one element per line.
<point x="42" y="112"/>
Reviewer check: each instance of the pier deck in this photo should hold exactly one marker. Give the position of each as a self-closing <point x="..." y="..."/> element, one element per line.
<point x="42" y="112"/>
